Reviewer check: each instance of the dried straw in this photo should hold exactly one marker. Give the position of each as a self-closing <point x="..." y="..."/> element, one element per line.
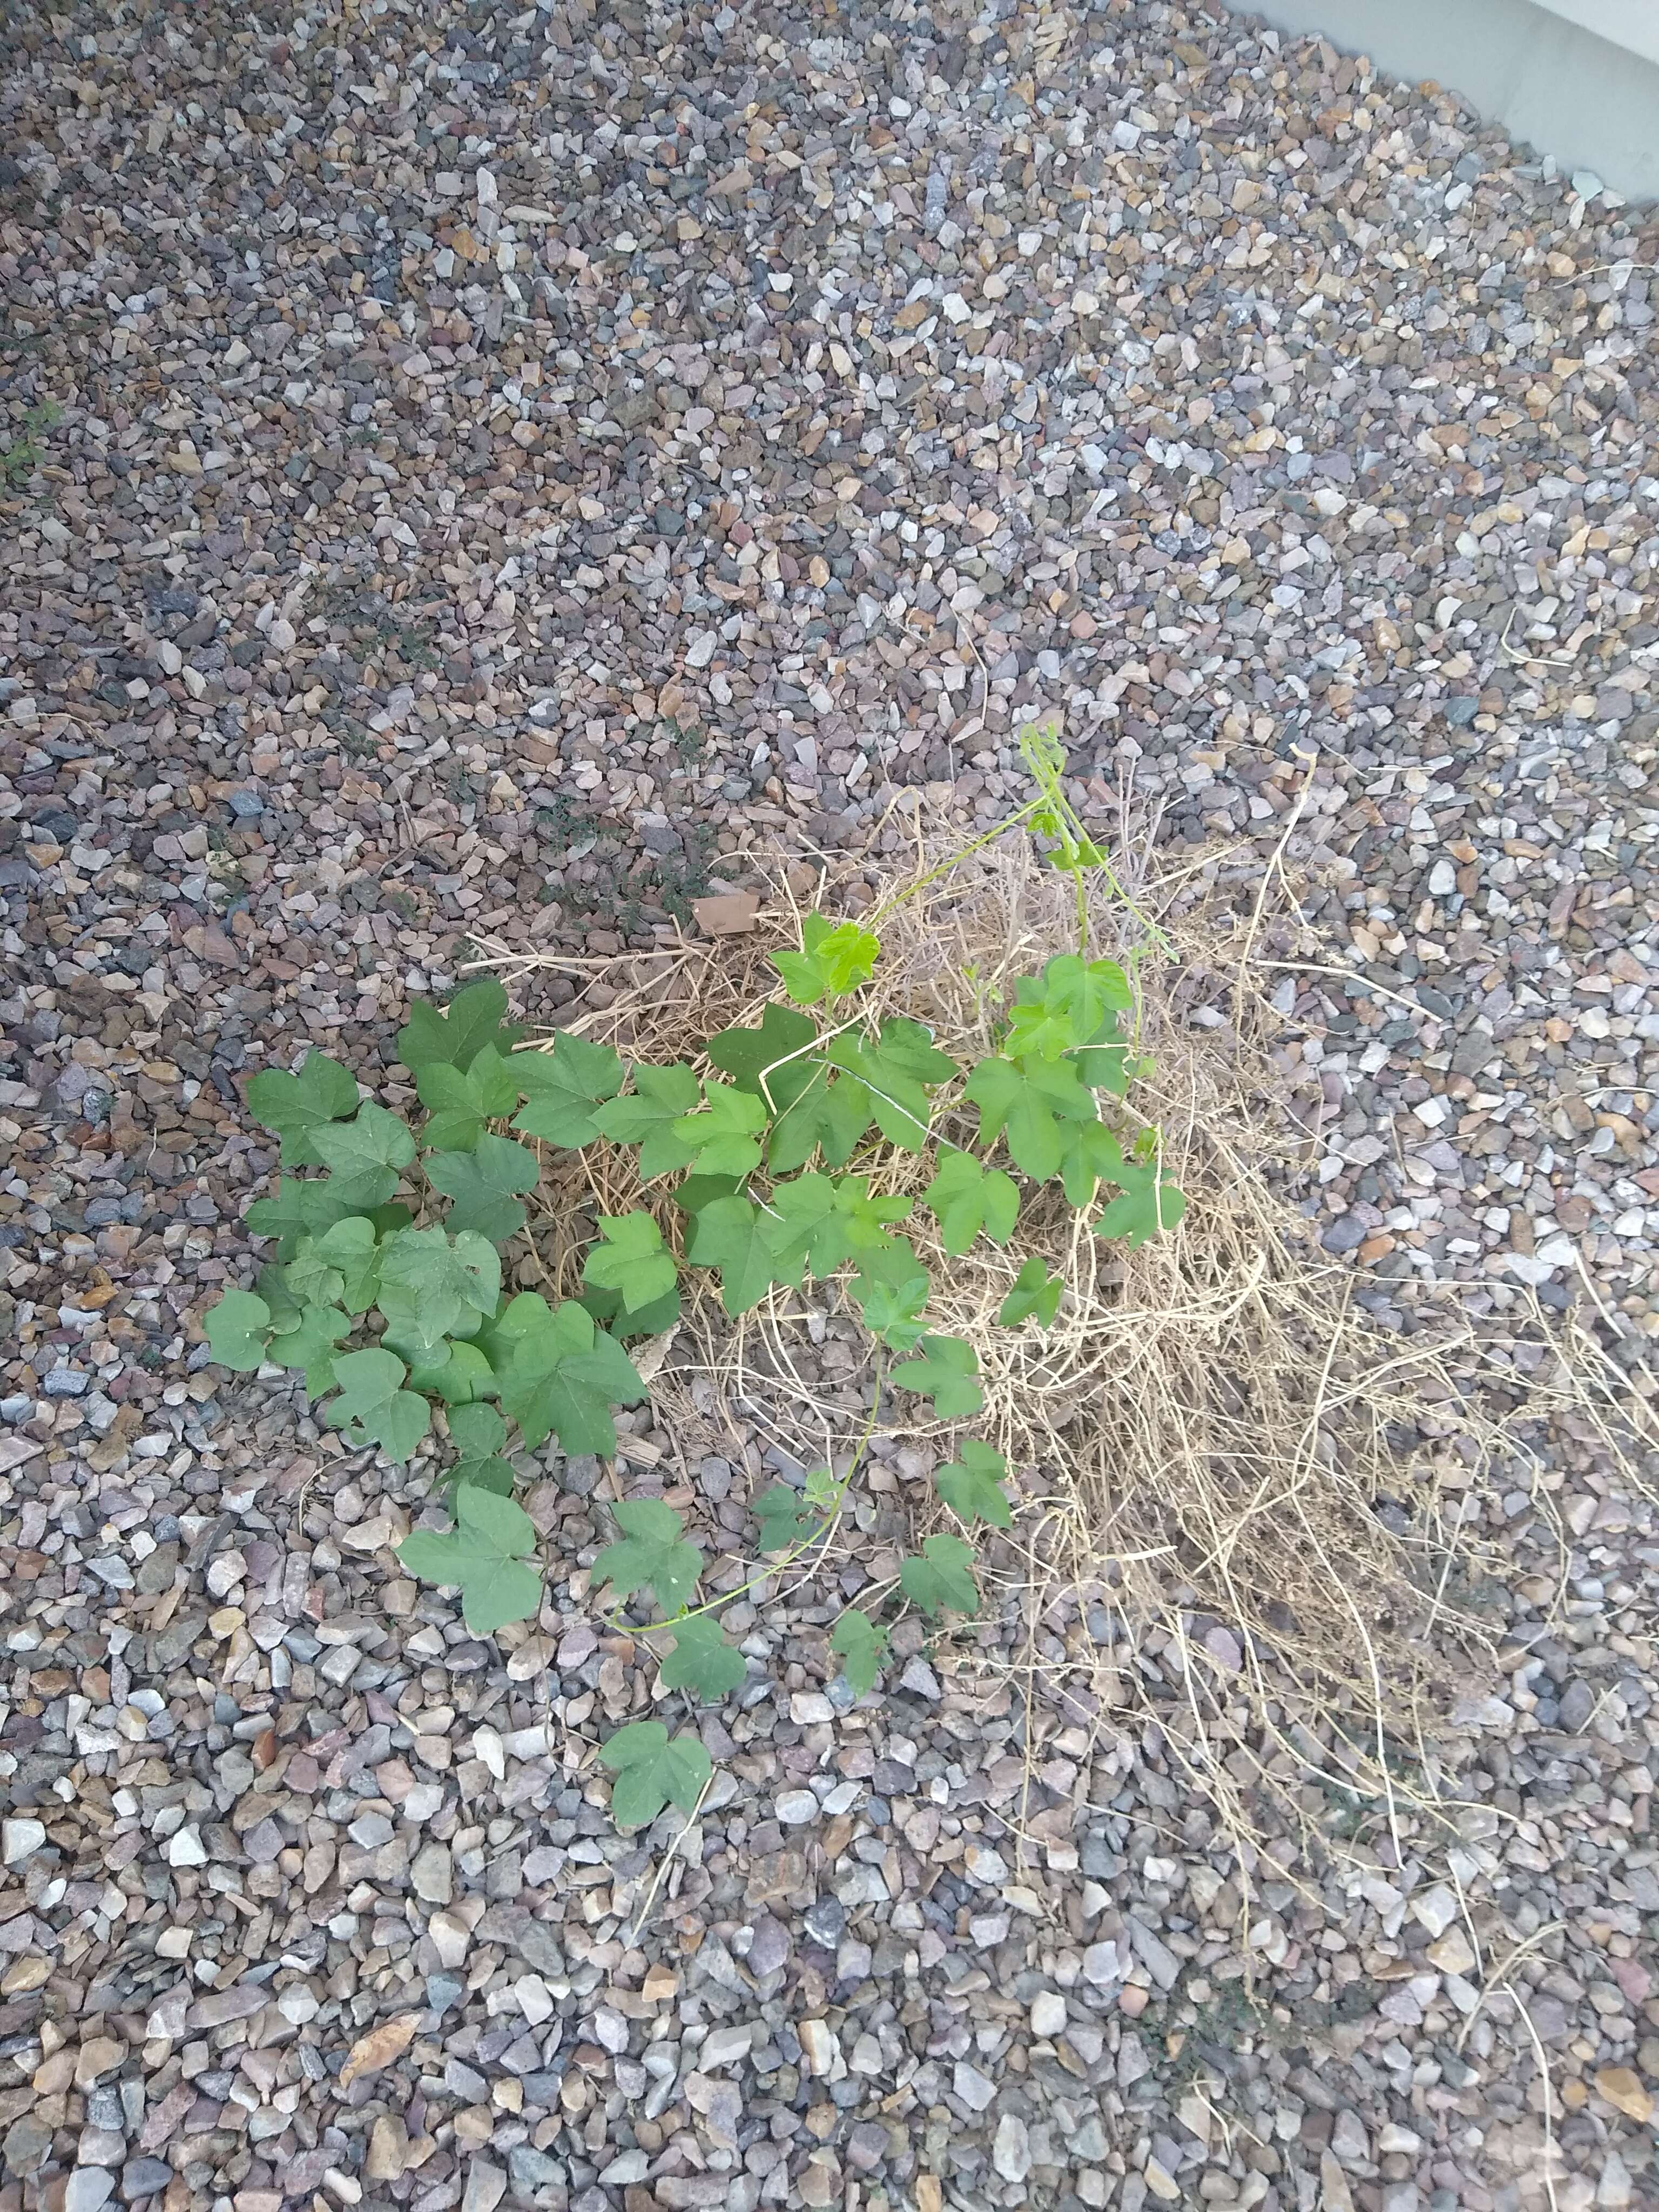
<point x="1211" y="1442"/>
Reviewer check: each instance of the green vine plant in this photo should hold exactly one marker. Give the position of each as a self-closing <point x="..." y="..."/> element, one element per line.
<point x="386" y="1285"/>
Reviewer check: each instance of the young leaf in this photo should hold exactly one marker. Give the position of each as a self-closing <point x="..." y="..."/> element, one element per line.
<point x="433" y="1285"/>
<point x="966" y="1198"/>
<point x="451" y="1370"/>
<point x="558" y="1373"/>
<point x="350" y="1246"/>
<point x="1022" y="1102"/>
<point x="299" y="1209"/>
<point x="834" y="958"/>
<point x="374" y="1407"/>
<point x="471" y="1021"/>
<point x="1087" y="1151"/>
<point x="653" y="1554"/>
<point x="1043" y="752"/>
<point x="807" y="1226"/>
<point x="946" y="1370"/>
<point x="865" y="1219"/>
<point x="630" y="1261"/>
<point x="463" y="1100"/>
<point x="238" y="1327"/>
<point x="784" y="1521"/>
<point x="891" y="1291"/>
<point x="733" y="1235"/>
<point x="485" y="1186"/>
<point x="310" y="1344"/>
<point x="942" y="1576"/>
<point x="861" y="1644"/>
<point x="1147" y="1202"/>
<point x="701" y="1660"/>
<point x="1035" y="1292"/>
<point x="723" y="1137"/>
<point x="1073" y="1000"/>
<point x="660" y="1097"/>
<point x="564" y="1085"/>
<point x="972" y="1486"/>
<point x="487" y="1553"/>
<point x="477" y="1431"/>
<point x="652" y="1769"/>
<point x="293" y="1106"/>
<point x="754" y="1058"/>
<point x="339" y="1267"/>
<point x="367" y="1154"/>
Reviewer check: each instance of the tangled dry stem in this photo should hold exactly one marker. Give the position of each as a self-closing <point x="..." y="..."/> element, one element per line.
<point x="1211" y="1442"/>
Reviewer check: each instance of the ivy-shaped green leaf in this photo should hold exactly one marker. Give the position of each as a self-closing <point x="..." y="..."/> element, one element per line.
<point x="891" y="1291"/>
<point x="966" y="1198"/>
<point x="834" y="958"/>
<point x="463" y="1100"/>
<point x="733" y="1235"/>
<point x="723" y="1137"/>
<point x="1024" y="1102"/>
<point x="238" y="1330"/>
<point x="455" y="1037"/>
<point x="749" y="1056"/>
<point x="485" y="1186"/>
<point x="820" y="1111"/>
<point x="477" y="1432"/>
<point x="626" y="1322"/>
<point x="564" y="1086"/>
<point x="654" y="1769"/>
<point x="701" y="1660"/>
<point x="693" y="1192"/>
<point x="295" y="1106"/>
<point x="631" y="1260"/>
<point x="493" y="1474"/>
<point x="861" y="1645"/>
<point x="487" y="1553"/>
<point x="942" y="1579"/>
<point x="807" y="1226"/>
<point x="433" y="1285"/>
<point x="659" y="1098"/>
<point x="311" y="1344"/>
<point x="898" y="1070"/>
<point x="653" y="1554"/>
<point x="368" y="1155"/>
<point x="785" y="1522"/>
<point x="865" y="1220"/>
<point x="299" y="1209"/>
<point x="374" y="1407"/>
<point x="1036" y="1294"/>
<point x="972" y="1485"/>
<point x="559" y="1374"/>
<point x="945" y="1370"/>
<point x="1148" y="1200"/>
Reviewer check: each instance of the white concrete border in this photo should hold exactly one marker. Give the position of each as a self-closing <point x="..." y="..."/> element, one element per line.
<point x="1577" y="79"/>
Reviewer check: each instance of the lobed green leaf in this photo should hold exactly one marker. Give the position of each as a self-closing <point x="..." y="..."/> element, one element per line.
<point x="654" y="1769"/>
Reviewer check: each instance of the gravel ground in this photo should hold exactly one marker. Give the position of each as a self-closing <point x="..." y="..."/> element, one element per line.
<point x="479" y="472"/>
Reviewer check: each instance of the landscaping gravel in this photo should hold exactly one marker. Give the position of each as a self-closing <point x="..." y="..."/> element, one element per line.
<point x="477" y="472"/>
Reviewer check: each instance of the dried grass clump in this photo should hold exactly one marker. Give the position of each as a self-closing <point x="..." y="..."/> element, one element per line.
<point x="1216" y="1450"/>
